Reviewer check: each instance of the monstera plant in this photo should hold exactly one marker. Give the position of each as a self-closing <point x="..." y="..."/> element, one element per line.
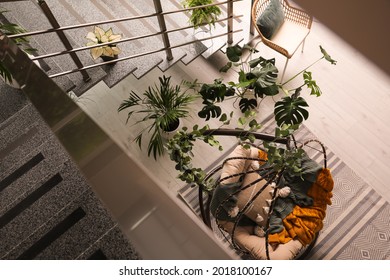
<point x="257" y="79"/>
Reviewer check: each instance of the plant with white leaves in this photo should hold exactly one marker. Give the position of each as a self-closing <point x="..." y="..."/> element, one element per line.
<point x="99" y="36"/>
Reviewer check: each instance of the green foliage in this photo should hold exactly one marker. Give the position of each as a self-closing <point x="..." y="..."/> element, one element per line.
<point x="311" y="84"/>
<point x="203" y="15"/>
<point x="290" y="110"/>
<point x="284" y="160"/>
<point x="161" y="106"/>
<point x="327" y="56"/>
<point x="180" y="151"/>
<point x="12" y="29"/>
<point x="257" y="79"/>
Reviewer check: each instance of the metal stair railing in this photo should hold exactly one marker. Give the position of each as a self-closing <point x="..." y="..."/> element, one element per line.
<point x="160" y="14"/>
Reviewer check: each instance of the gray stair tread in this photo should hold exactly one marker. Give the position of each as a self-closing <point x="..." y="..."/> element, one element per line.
<point x="86" y="222"/>
<point x="48" y="210"/>
<point x="178" y="54"/>
<point x="50" y="42"/>
<point x="11" y="100"/>
<point x="97" y="11"/>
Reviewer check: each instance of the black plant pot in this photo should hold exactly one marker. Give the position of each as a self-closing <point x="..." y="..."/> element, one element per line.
<point x="109" y="58"/>
<point x="173" y="126"/>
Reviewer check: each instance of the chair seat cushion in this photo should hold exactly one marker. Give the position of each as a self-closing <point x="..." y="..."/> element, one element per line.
<point x="289" y="36"/>
<point x="271" y="19"/>
<point x="255" y="245"/>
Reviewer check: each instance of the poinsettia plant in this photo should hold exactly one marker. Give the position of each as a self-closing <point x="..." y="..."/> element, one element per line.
<point x="100" y="36"/>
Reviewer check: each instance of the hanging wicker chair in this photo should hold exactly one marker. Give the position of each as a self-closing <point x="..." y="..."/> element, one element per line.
<point x="245" y="206"/>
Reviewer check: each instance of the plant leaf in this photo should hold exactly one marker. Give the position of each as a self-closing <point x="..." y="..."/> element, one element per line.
<point x="210" y="111"/>
<point x="327" y="56"/>
<point x="290" y="111"/>
<point x="247" y="104"/>
<point x="311" y="84"/>
<point x="234" y="53"/>
<point x="226" y="68"/>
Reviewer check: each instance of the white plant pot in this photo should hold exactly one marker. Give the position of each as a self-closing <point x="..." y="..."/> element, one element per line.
<point x="169" y="134"/>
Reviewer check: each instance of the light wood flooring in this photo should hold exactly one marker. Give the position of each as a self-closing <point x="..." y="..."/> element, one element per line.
<point x="351" y="117"/>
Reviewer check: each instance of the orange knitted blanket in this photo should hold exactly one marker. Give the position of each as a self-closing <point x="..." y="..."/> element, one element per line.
<point x="304" y="222"/>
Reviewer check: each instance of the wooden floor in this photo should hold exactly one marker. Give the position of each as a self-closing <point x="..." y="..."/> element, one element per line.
<point x="351" y="117"/>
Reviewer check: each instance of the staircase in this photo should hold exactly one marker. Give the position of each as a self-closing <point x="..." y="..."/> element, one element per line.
<point x="47" y="209"/>
<point x="74" y="12"/>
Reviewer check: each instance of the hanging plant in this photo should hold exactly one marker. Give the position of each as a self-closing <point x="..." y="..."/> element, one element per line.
<point x="202" y="15"/>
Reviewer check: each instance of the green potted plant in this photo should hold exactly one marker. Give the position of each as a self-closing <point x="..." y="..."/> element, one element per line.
<point x="100" y="36"/>
<point x="161" y="107"/>
<point x="11" y="29"/>
<point x="203" y="15"/>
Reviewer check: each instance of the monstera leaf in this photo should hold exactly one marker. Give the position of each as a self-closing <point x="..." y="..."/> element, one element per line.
<point x="266" y="75"/>
<point x="290" y="111"/>
<point x="247" y="104"/>
<point x="311" y="84"/>
<point x="210" y="111"/>
<point x="234" y="53"/>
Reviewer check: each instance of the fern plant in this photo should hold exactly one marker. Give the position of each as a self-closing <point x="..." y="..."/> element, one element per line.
<point x="203" y="15"/>
<point x="161" y="106"/>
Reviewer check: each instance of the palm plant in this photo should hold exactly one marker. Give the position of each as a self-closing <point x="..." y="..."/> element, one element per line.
<point x="163" y="105"/>
<point x="203" y="15"/>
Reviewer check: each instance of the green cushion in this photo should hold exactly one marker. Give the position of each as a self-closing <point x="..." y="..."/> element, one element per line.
<point x="271" y="19"/>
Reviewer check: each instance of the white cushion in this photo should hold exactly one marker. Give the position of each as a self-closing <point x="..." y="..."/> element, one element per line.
<point x="290" y="35"/>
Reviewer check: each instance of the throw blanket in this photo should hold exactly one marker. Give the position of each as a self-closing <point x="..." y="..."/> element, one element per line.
<point x="304" y="222"/>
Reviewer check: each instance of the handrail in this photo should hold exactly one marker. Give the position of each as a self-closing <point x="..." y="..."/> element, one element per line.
<point x="161" y="32"/>
<point x="137" y="55"/>
<point x="69" y="27"/>
<point x="122" y="40"/>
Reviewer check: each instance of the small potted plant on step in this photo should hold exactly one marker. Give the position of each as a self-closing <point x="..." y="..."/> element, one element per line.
<point x="162" y="105"/>
<point x="99" y="36"/>
<point x="204" y="15"/>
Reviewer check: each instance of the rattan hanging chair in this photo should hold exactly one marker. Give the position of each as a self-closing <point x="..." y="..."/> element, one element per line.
<point x="247" y="207"/>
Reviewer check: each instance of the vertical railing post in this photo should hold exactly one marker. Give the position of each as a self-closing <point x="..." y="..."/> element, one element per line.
<point x="163" y="29"/>
<point x="53" y="21"/>
<point x="251" y="27"/>
<point x="230" y="22"/>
